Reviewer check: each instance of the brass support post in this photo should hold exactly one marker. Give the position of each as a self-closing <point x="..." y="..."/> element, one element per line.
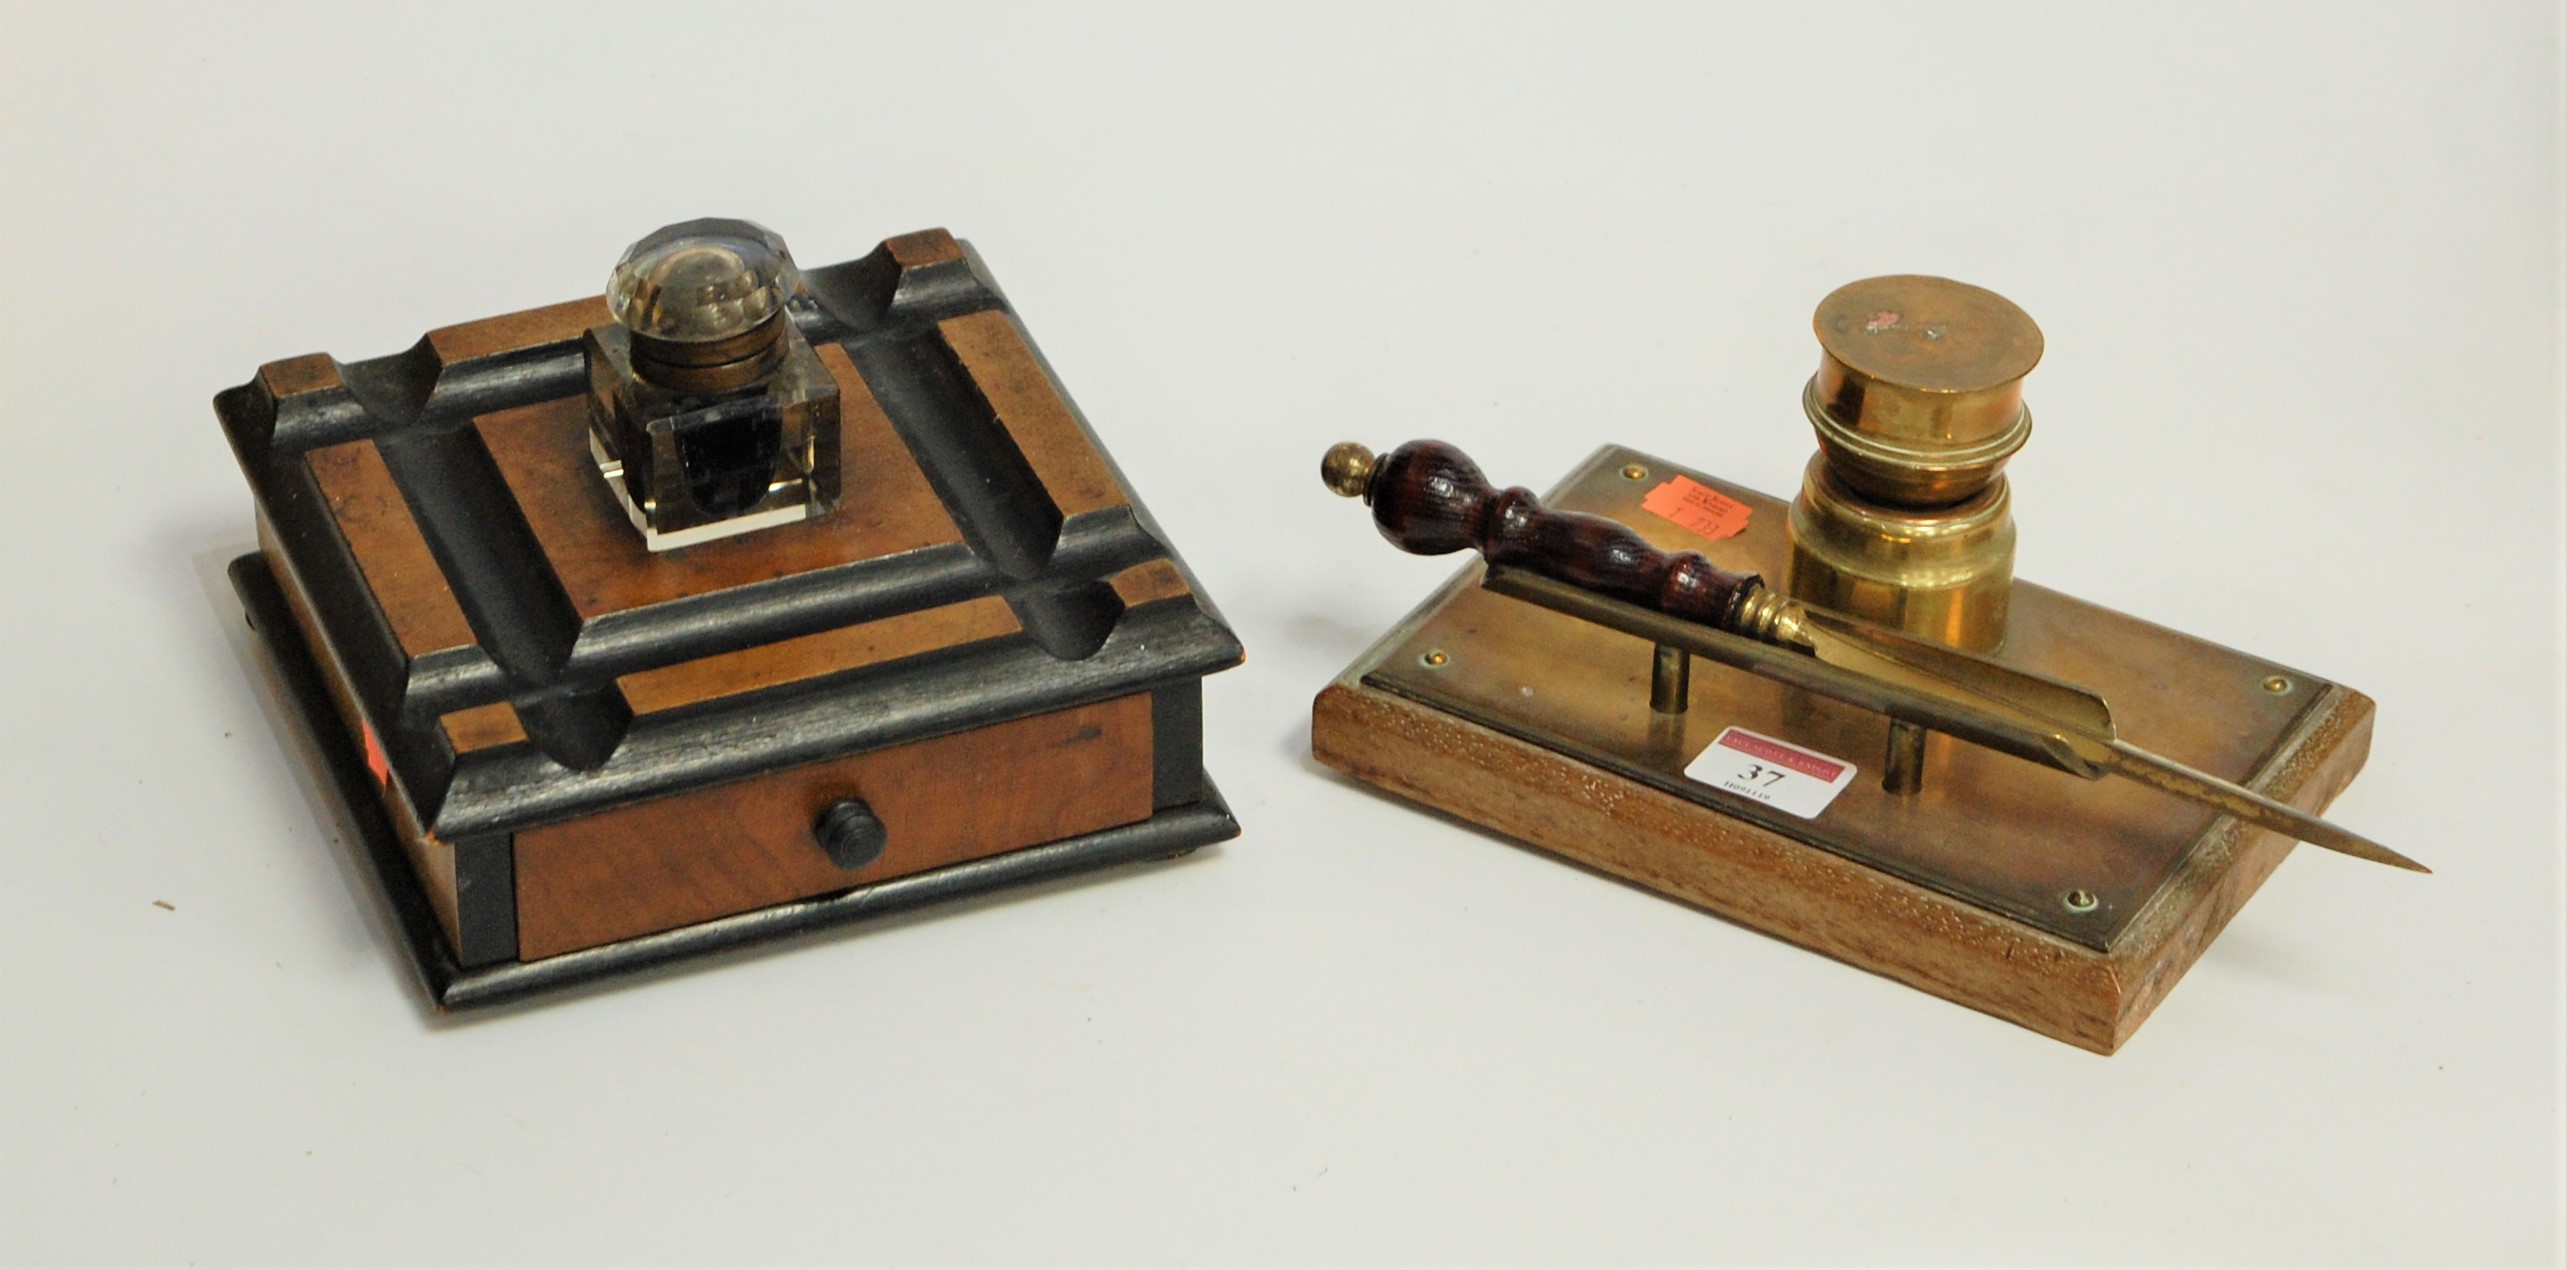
<point x="1670" y="680"/>
<point x="1903" y="765"/>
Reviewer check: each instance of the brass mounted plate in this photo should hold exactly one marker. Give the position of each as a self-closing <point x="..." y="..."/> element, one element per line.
<point x="2076" y="859"/>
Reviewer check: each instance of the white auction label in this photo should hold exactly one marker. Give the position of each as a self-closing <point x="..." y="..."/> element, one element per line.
<point x="1779" y="774"/>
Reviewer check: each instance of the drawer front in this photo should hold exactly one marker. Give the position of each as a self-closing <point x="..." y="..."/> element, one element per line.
<point x="708" y="853"/>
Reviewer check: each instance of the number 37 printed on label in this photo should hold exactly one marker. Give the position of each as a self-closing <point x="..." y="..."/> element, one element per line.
<point x="1779" y="774"/>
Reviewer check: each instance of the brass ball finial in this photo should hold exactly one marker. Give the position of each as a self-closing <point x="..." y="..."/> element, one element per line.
<point x="1347" y="469"/>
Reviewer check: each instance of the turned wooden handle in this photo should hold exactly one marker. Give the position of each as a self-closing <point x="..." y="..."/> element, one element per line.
<point x="1429" y="498"/>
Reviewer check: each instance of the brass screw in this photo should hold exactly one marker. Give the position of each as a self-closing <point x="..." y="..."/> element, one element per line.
<point x="2080" y="900"/>
<point x="2277" y="685"/>
<point x="1433" y="659"/>
<point x="1634" y="472"/>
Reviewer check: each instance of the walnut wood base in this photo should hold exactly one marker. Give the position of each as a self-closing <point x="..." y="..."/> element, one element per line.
<point x="1822" y="900"/>
<point x="1168" y="833"/>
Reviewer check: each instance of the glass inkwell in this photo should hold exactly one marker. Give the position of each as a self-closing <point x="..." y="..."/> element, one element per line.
<point x="709" y="414"/>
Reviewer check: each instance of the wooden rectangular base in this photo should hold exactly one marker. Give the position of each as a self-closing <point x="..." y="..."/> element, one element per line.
<point x="1813" y="897"/>
<point x="1538" y="726"/>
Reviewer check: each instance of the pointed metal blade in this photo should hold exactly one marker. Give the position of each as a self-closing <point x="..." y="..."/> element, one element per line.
<point x="1930" y="666"/>
<point x="2080" y="718"/>
<point x="2247" y="805"/>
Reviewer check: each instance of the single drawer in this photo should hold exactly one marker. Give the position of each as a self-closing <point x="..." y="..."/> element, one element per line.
<point x="691" y="857"/>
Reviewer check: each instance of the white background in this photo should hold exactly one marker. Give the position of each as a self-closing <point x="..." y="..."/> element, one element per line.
<point x="2299" y="270"/>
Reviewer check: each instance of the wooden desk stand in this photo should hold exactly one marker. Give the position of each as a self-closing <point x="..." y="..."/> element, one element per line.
<point x="2070" y="907"/>
<point x="989" y="643"/>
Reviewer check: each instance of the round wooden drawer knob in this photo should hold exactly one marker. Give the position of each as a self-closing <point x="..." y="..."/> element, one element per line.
<point x="851" y="834"/>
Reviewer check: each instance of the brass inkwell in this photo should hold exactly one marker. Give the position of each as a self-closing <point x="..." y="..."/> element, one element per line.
<point x="1549" y="692"/>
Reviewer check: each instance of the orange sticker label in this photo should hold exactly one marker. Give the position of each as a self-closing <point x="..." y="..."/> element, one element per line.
<point x="375" y="760"/>
<point x="1697" y="507"/>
